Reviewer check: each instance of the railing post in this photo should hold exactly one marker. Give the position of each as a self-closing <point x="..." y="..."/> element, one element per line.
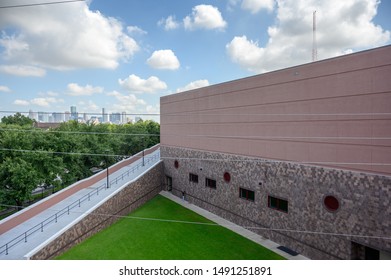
<point x="6" y="249"/>
<point x="41" y="226"/>
<point x="25" y="236"/>
<point x="68" y="209"/>
<point x="88" y="196"/>
<point x="56" y="217"/>
<point x="79" y="202"/>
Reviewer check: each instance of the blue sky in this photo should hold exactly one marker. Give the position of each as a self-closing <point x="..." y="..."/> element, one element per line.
<point x="124" y="55"/>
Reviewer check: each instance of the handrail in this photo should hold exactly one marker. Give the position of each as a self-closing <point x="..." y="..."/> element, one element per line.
<point x="47" y="221"/>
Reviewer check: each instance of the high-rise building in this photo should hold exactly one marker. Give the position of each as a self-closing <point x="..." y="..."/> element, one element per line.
<point x="105" y="117"/>
<point x="74" y="114"/>
<point x="124" y="118"/>
<point x="115" y="118"/>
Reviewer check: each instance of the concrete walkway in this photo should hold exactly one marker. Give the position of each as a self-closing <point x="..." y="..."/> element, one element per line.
<point x="26" y="247"/>
<point x="235" y="228"/>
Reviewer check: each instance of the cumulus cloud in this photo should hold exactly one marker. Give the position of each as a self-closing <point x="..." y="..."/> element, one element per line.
<point x="194" y="85"/>
<point x="135" y="84"/>
<point x="45" y="101"/>
<point x="23" y="70"/>
<point x="135" y="30"/>
<point x="127" y="102"/>
<point x="40" y="101"/>
<point x="21" y="102"/>
<point x="204" y="17"/>
<point x="76" y="90"/>
<point x="254" y="6"/>
<point x="64" y="37"/>
<point x="342" y="27"/>
<point x="4" y="89"/>
<point x="164" y="59"/>
<point x="169" y="23"/>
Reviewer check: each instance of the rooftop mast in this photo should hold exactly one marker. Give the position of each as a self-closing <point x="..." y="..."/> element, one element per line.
<point x="314" y="45"/>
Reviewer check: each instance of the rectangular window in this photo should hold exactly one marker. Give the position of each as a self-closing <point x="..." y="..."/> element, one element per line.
<point x="246" y="194"/>
<point x="277" y="203"/>
<point x="210" y="183"/>
<point x="193" y="178"/>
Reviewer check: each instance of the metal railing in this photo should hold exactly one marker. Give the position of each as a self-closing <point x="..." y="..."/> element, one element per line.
<point x="54" y="218"/>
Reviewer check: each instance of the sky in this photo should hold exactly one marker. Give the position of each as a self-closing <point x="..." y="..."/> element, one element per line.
<point x="123" y="55"/>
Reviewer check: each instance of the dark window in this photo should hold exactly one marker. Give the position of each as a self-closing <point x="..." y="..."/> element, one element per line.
<point x="176" y="164"/>
<point x="193" y="178"/>
<point x="331" y="203"/>
<point x="246" y="194"/>
<point x="277" y="203"/>
<point x="227" y="177"/>
<point x="210" y="183"/>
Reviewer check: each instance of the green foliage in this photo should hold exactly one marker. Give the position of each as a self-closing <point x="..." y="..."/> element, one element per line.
<point x="73" y="148"/>
<point x="132" y="238"/>
<point x="18" y="119"/>
<point x="18" y="178"/>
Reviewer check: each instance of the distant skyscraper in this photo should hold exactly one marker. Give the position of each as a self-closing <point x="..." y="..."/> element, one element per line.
<point x="105" y="118"/>
<point x="74" y="114"/>
<point x="67" y="116"/>
<point x="115" y="118"/>
<point x="58" y="117"/>
<point x="32" y="115"/>
<point x="124" y="118"/>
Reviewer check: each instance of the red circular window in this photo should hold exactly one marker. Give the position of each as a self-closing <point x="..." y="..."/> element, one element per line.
<point x="227" y="177"/>
<point x="176" y="164"/>
<point x="331" y="203"/>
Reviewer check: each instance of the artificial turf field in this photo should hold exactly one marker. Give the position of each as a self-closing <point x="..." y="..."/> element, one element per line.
<point x="132" y="238"/>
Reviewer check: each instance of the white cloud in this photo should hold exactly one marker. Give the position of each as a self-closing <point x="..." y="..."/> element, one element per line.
<point x="136" y="30"/>
<point x="76" y="90"/>
<point x="64" y="37"/>
<point x="204" y="17"/>
<point x="23" y="70"/>
<point x="254" y="6"/>
<point x="45" y="101"/>
<point x="194" y="85"/>
<point x="21" y="102"/>
<point x="342" y="27"/>
<point x="169" y="23"/>
<point x="89" y="107"/>
<point x="127" y="103"/>
<point x="164" y="59"/>
<point x="4" y="89"/>
<point x="136" y="84"/>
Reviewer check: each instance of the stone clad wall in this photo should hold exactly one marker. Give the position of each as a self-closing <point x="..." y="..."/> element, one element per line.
<point x="308" y="227"/>
<point x="125" y="201"/>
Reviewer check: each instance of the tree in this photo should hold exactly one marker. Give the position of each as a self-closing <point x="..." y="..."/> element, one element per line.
<point x="18" y="119"/>
<point x="18" y="179"/>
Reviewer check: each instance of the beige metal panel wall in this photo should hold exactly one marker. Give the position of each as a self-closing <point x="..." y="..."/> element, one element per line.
<point x="335" y="113"/>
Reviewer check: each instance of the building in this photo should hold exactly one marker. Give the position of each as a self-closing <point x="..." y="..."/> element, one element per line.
<point x="115" y="118"/>
<point x="105" y="117"/>
<point x="74" y="114"/>
<point x="301" y="156"/>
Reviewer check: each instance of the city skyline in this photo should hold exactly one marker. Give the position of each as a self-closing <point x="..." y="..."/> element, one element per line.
<point x="125" y="55"/>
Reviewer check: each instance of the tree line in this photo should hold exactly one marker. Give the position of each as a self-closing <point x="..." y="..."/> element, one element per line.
<point x="57" y="157"/>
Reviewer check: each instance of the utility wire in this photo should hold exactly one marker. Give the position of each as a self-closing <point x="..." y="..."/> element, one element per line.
<point x="265" y="161"/>
<point x="203" y="136"/>
<point x="40" y="4"/>
<point x="78" y="132"/>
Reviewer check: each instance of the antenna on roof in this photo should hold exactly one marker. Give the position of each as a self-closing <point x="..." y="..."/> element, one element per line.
<point x="314" y="46"/>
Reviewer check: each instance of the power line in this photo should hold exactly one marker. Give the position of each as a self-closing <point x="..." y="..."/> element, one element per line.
<point x="40" y="4"/>
<point x="79" y="113"/>
<point x="265" y="161"/>
<point x="78" y="132"/>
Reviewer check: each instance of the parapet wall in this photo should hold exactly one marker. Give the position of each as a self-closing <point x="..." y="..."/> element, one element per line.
<point x="122" y="203"/>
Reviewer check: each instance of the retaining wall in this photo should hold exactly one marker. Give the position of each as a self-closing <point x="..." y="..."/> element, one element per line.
<point x="122" y="203"/>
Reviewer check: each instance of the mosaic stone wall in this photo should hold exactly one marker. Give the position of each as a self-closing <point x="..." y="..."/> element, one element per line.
<point x="127" y="200"/>
<point x="308" y="228"/>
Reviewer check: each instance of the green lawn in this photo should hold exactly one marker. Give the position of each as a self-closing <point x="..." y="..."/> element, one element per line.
<point x="136" y="239"/>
